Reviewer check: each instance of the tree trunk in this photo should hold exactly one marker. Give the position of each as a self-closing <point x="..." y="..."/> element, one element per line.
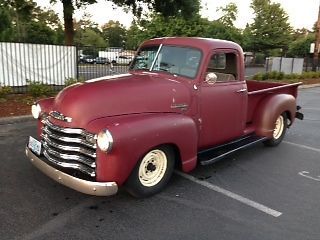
<point x="68" y="21"/>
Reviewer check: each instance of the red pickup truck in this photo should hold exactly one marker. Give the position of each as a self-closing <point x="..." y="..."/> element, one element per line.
<point x="184" y="101"/>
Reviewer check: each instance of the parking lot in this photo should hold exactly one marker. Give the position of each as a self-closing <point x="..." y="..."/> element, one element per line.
<point x="258" y="193"/>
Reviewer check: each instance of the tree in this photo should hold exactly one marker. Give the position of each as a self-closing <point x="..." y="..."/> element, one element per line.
<point x="114" y="33"/>
<point x="5" y="23"/>
<point x="165" y="7"/>
<point x="23" y="21"/>
<point x="270" y="29"/>
<point x="301" y="46"/>
<point x="229" y="14"/>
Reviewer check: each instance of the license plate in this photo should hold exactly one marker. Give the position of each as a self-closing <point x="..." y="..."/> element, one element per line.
<point x="34" y="145"/>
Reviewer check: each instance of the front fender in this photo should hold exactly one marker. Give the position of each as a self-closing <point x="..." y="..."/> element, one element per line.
<point x="134" y="135"/>
<point x="269" y="110"/>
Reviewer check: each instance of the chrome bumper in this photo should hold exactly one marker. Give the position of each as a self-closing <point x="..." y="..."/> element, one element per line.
<point x="87" y="187"/>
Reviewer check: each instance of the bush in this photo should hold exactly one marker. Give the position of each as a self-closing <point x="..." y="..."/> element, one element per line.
<point x="70" y="81"/>
<point x="258" y="76"/>
<point x="4" y="91"/>
<point x="281" y="76"/>
<point x="38" y="89"/>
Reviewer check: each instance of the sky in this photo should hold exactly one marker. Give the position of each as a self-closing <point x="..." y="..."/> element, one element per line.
<point x="301" y="13"/>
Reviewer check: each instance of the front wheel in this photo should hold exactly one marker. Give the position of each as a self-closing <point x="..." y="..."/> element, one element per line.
<point x="279" y="131"/>
<point x="152" y="173"/>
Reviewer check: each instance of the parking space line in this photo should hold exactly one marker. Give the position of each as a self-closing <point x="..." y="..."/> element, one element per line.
<point x="232" y="195"/>
<point x="302" y="146"/>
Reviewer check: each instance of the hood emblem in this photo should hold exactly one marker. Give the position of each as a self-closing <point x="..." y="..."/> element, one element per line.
<point x="60" y="116"/>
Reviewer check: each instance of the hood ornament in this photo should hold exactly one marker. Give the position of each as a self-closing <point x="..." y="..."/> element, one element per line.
<point x="60" y="116"/>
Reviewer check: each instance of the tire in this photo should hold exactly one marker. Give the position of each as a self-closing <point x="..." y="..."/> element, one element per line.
<point x="152" y="172"/>
<point x="279" y="131"/>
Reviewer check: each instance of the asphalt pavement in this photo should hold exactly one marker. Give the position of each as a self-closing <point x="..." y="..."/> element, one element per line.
<point x="258" y="193"/>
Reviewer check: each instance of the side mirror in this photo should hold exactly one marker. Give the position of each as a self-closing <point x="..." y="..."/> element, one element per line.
<point x="211" y="78"/>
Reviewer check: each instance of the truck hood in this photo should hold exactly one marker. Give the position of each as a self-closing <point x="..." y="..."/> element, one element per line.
<point x="120" y="95"/>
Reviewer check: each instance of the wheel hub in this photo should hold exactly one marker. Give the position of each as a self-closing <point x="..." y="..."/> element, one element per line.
<point x="152" y="168"/>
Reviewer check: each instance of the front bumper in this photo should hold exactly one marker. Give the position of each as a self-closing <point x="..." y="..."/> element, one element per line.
<point x="84" y="186"/>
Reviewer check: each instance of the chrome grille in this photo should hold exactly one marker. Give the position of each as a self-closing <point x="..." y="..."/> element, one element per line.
<point x="71" y="148"/>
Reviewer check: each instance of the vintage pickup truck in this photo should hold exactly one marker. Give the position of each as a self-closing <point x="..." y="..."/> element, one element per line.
<point x="184" y="101"/>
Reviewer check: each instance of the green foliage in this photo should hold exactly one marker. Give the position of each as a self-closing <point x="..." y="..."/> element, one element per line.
<point x="70" y="81"/>
<point x="274" y="75"/>
<point x="301" y="46"/>
<point x="4" y="91"/>
<point x="114" y="33"/>
<point x="229" y="14"/>
<point x="270" y="28"/>
<point x="23" y="21"/>
<point x="38" y="89"/>
<point x="89" y="37"/>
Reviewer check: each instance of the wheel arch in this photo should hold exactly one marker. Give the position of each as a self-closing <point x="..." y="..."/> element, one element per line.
<point x="135" y="135"/>
<point x="268" y="111"/>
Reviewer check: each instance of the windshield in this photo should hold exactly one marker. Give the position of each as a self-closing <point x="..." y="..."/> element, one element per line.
<point x="182" y="61"/>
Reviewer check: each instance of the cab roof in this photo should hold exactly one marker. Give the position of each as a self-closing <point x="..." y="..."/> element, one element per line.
<point x="206" y="44"/>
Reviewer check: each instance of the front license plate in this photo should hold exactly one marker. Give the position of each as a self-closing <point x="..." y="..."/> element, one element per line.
<point x="34" y="145"/>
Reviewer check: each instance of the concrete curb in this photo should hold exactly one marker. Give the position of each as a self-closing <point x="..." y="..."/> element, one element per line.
<point x="15" y="119"/>
<point x="309" y="86"/>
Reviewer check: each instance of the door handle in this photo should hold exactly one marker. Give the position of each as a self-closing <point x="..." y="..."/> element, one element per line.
<point x="241" y="90"/>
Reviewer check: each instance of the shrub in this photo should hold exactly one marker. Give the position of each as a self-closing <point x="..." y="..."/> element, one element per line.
<point x="258" y="76"/>
<point x="37" y="89"/>
<point x="70" y="81"/>
<point x="4" y="91"/>
<point x="280" y="75"/>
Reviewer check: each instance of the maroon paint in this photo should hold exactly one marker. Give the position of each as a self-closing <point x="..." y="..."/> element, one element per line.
<point x="137" y="110"/>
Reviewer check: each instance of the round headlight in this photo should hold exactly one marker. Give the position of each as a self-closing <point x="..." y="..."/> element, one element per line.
<point x="105" y="141"/>
<point x="36" y="110"/>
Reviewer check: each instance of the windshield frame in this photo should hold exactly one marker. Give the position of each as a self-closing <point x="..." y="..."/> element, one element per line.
<point x="160" y="47"/>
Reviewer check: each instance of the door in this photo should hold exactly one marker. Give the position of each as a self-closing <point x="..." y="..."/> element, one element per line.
<point x="222" y="100"/>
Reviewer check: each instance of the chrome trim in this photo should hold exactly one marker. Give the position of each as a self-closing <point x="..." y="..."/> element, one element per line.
<point x="87" y="187"/>
<point x="77" y="166"/>
<point x="69" y="139"/>
<point x="68" y="156"/>
<point x="181" y="106"/>
<point x="68" y="148"/>
<point x="60" y="116"/>
<point x="155" y="58"/>
<point x="242" y="90"/>
<point x="67" y="130"/>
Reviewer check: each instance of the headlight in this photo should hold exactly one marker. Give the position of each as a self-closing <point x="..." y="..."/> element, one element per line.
<point x="105" y="141"/>
<point x="36" y="110"/>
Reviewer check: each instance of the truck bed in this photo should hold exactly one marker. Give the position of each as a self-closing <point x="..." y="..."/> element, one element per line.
<point x="258" y="90"/>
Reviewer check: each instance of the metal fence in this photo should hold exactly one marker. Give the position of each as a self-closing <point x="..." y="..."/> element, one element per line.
<point x="21" y="63"/>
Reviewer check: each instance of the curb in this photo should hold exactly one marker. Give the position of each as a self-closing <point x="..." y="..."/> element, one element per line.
<point x="309" y="86"/>
<point x="15" y="119"/>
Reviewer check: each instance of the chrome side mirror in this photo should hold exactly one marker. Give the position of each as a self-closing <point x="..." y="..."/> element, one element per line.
<point x="211" y="78"/>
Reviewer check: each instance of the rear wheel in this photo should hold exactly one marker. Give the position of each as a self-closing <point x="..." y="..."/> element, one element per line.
<point x="152" y="173"/>
<point x="279" y="131"/>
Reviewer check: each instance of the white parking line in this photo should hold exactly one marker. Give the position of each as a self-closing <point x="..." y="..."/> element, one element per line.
<point x="232" y="195"/>
<point x="302" y="146"/>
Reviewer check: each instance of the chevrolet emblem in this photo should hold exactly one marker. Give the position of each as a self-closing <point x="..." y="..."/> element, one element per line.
<point x="60" y="116"/>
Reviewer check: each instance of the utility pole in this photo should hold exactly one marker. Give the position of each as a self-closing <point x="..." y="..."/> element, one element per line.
<point x="317" y="47"/>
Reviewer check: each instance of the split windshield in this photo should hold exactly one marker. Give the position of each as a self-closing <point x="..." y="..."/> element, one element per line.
<point x="182" y="61"/>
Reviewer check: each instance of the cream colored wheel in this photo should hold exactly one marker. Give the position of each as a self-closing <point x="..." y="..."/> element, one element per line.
<point x="279" y="131"/>
<point x="279" y="127"/>
<point x="152" y="168"/>
<point x="152" y="172"/>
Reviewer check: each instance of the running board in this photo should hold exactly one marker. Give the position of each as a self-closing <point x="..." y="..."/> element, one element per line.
<point x="213" y="155"/>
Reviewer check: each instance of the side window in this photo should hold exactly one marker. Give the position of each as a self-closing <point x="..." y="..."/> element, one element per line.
<point x="224" y="65"/>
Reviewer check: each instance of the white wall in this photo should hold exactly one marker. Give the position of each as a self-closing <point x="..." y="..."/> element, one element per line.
<point x="49" y="64"/>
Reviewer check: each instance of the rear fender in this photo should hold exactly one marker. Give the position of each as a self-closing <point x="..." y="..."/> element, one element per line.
<point x="134" y="135"/>
<point x="268" y="111"/>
